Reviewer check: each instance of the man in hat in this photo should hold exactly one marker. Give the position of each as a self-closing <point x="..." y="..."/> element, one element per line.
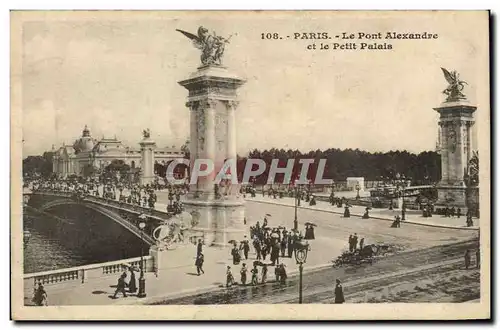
<point x="120" y="287"/>
<point x="283" y="243"/>
<point x="290" y="244"/>
<point x="245" y="246"/>
<point x="467" y="259"/>
<point x="199" y="248"/>
<point x="243" y="273"/>
<point x="339" y="292"/>
<point x="229" y="277"/>
<point x="199" y="264"/>
<point x="264" y="273"/>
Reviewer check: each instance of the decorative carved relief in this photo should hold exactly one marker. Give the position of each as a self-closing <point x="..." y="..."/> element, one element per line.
<point x="452" y="139"/>
<point x="201" y="128"/>
<point x="220" y="130"/>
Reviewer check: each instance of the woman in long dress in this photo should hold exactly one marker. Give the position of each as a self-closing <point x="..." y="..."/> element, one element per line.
<point x="132" y="285"/>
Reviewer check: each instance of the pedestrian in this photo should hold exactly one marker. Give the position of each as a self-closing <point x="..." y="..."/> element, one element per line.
<point x="229" y="277"/>
<point x="243" y="273"/>
<point x="283" y="245"/>
<point x="257" y="247"/>
<point x="264" y="273"/>
<point x="347" y="213"/>
<point x="120" y="287"/>
<point x="283" y="275"/>
<point x="290" y="243"/>
<point x="40" y="296"/>
<point x="350" y="243"/>
<point x="277" y="273"/>
<point x="459" y="212"/>
<point x="339" y="293"/>
<point x="478" y="258"/>
<point x="264" y="251"/>
<point x="132" y="284"/>
<point x="199" y="264"/>
<point x="245" y="246"/>
<point x="355" y="241"/>
<point x="467" y="259"/>
<point x="361" y="243"/>
<point x="199" y="248"/>
<point x="236" y="255"/>
<point x="255" y="273"/>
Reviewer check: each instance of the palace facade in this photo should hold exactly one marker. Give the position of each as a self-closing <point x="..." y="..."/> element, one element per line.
<point x="85" y="151"/>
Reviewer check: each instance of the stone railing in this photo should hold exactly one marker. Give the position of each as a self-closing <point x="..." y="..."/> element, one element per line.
<point x="81" y="274"/>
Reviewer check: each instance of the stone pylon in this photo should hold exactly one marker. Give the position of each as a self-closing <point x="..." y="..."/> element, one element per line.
<point x="455" y="122"/>
<point x="212" y="101"/>
<point x="148" y="147"/>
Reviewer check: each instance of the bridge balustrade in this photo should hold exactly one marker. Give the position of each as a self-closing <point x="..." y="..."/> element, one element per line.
<point x="82" y="274"/>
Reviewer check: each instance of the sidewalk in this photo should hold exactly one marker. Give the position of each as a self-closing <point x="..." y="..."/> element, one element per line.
<point x="177" y="280"/>
<point x="412" y="216"/>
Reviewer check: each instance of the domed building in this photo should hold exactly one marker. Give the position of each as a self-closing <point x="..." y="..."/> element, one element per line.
<point x="85" y="143"/>
<point x="87" y="151"/>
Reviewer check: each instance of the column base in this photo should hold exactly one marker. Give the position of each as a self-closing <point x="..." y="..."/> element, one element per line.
<point x="451" y="196"/>
<point x="218" y="221"/>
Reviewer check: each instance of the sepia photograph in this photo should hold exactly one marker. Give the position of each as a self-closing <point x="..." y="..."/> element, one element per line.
<point x="250" y="165"/>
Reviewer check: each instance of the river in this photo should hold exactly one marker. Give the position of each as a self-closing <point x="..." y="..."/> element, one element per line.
<point x="76" y="236"/>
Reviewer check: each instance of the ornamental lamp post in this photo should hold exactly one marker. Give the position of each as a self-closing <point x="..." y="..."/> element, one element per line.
<point x="296" y="205"/>
<point x="142" y="280"/>
<point x="357" y="190"/>
<point x="301" y="249"/>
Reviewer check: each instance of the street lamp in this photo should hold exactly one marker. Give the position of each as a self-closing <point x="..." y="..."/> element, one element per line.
<point x="297" y="204"/>
<point x="403" y="211"/>
<point x="142" y="280"/>
<point x="301" y="249"/>
<point x="357" y="190"/>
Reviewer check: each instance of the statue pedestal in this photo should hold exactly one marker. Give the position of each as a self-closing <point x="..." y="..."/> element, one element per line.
<point x="218" y="221"/>
<point x="451" y="196"/>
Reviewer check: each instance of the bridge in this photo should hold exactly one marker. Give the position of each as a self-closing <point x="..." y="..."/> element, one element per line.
<point x="126" y="215"/>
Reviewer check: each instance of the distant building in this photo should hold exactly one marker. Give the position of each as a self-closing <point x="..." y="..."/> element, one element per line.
<point x="86" y="150"/>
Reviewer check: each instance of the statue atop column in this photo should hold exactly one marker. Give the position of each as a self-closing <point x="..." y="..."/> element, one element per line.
<point x="211" y="45"/>
<point x="146" y="133"/>
<point x="455" y="87"/>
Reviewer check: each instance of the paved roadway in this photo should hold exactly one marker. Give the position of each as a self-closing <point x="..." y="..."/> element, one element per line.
<point x="334" y="229"/>
<point x="318" y="285"/>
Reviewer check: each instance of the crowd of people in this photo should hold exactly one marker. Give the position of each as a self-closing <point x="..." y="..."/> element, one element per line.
<point x="267" y="242"/>
<point x="128" y="193"/>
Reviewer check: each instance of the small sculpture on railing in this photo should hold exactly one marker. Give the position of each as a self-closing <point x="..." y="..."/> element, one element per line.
<point x="170" y="233"/>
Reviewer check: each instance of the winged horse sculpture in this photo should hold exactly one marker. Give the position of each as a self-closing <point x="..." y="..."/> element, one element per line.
<point x="455" y="87"/>
<point x="211" y="45"/>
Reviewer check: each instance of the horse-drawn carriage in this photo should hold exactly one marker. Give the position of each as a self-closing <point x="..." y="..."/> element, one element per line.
<point x="365" y="255"/>
<point x="357" y="257"/>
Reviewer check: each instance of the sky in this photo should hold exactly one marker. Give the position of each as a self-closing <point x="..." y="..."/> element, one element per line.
<point x="118" y="74"/>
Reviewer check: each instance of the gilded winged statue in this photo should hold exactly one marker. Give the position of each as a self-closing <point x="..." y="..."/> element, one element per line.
<point x="146" y="133"/>
<point x="211" y="45"/>
<point x="455" y="87"/>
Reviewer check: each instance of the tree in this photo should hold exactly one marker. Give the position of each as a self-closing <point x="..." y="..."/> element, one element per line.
<point x="185" y="149"/>
<point x="38" y="165"/>
<point x="117" y="166"/>
<point x="89" y="170"/>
